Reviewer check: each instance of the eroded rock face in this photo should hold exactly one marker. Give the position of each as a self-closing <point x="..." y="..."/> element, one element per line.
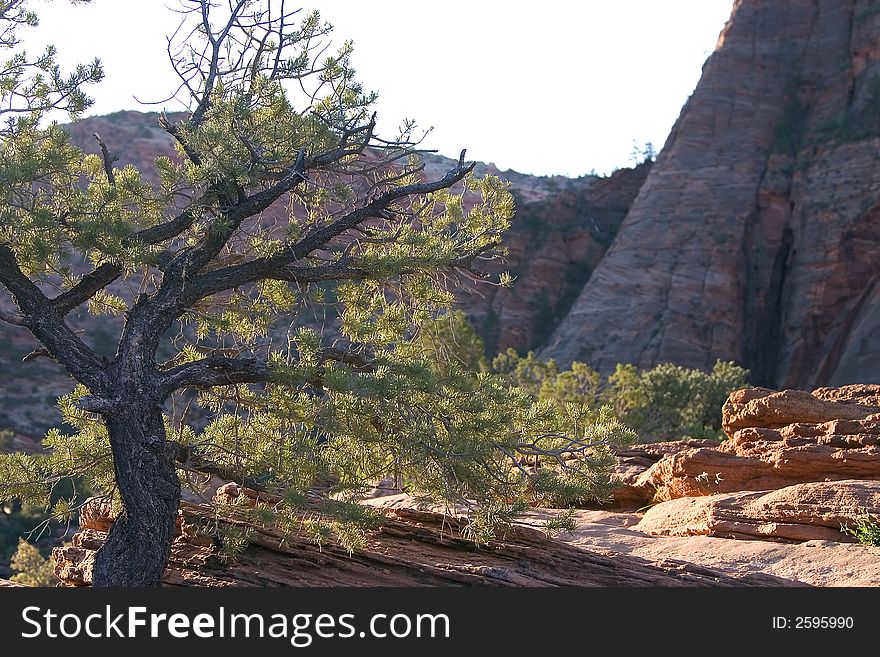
<point x="746" y="241"/>
<point x="555" y="243"/>
<point x="803" y="512"/>
<point x="98" y="514"/>
<point x="777" y="439"/>
<point x="633" y="491"/>
<point x="761" y="408"/>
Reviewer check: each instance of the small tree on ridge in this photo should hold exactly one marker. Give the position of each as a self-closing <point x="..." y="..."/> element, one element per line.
<point x="283" y="200"/>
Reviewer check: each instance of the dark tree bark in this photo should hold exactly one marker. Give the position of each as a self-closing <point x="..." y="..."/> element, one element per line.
<point x="139" y="544"/>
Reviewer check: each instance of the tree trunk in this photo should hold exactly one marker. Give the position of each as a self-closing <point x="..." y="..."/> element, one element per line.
<point x="139" y="544"/>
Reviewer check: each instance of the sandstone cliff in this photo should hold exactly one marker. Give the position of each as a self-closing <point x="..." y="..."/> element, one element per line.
<point x="753" y="236"/>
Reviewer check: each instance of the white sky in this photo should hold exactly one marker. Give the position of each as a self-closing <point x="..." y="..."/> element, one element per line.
<point x="549" y="87"/>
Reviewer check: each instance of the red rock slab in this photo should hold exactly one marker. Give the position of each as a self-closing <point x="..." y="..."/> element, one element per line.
<point x="762" y="466"/>
<point x="411" y="548"/>
<point x="803" y="512"/>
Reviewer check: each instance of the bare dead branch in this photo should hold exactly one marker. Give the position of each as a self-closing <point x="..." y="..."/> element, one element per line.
<point x="39" y="352"/>
<point x="108" y="161"/>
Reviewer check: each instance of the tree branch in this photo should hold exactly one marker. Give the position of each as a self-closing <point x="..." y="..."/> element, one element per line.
<point x="216" y="370"/>
<point x="190" y="460"/>
<point x="105" y="274"/>
<point x="41" y="318"/>
<point x="173" y="130"/>
<point x="108" y="161"/>
<point x="171" y="229"/>
<point x="274" y="266"/>
<point x="233" y="217"/>
<point x="86" y="288"/>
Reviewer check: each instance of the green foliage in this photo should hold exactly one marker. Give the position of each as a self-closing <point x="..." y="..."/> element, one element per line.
<point x="6" y="436"/>
<point x="15" y="521"/>
<point x="669" y="402"/>
<point x="234" y="540"/>
<point x="562" y="522"/>
<point x="42" y="517"/>
<point x="865" y="529"/>
<point x="666" y="402"/>
<point x="397" y="385"/>
<point x="452" y="338"/>
<point x="32" y="568"/>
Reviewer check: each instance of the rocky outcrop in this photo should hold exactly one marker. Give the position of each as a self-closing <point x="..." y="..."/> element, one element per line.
<point x="803" y="512"/>
<point x="816" y="562"/>
<point x="760" y="408"/>
<point x="631" y="489"/>
<point x="759" y="465"/>
<point x="796" y="466"/>
<point x="97" y="514"/>
<point x="747" y="242"/>
<point x="411" y="548"/>
<point x="775" y="439"/>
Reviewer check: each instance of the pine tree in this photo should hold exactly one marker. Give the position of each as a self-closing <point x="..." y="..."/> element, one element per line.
<point x="283" y="206"/>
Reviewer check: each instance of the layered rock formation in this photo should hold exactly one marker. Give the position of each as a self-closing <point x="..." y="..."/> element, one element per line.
<point x="775" y="439"/>
<point x="816" y="562"/>
<point x="751" y="238"/>
<point x="803" y="512"/>
<point x="632" y="489"/>
<point x="411" y="548"/>
<point x="796" y="466"/>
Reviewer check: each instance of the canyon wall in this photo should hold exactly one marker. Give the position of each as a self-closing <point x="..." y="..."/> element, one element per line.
<point x="755" y="235"/>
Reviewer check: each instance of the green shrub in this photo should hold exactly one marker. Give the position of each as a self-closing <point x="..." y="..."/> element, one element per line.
<point x="667" y="402"/>
<point x="32" y="568"/>
<point x="865" y="529"/>
<point x="35" y="522"/>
